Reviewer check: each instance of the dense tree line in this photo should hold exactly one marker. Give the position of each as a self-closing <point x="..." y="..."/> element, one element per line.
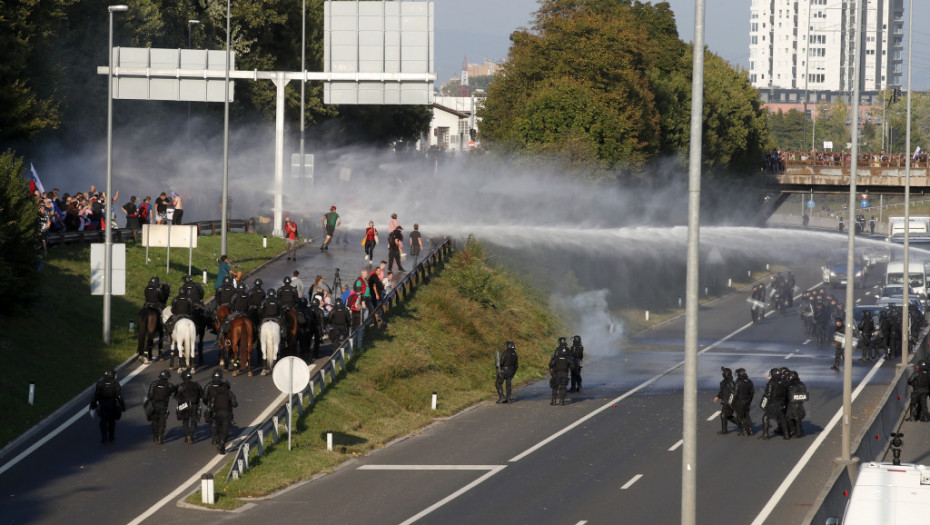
<point x="607" y="83"/>
<point x="50" y="50"/>
<point x="19" y="236"/>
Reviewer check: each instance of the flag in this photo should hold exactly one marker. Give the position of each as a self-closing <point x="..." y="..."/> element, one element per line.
<point x="917" y="153"/>
<point x="34" y="182"/>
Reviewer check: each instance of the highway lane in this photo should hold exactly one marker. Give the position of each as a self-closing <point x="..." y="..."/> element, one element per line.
<point x="621" y="462"/>
<point x="74" y="479"/>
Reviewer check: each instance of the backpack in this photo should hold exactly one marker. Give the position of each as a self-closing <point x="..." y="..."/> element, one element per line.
<point x="144" y="212"/>
<point x="353" y="302"/>
<point x="161" y="393"/>
<point x="221" y="397"/>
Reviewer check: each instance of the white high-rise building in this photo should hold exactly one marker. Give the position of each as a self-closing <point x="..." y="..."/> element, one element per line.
<point x="808" y="45"/>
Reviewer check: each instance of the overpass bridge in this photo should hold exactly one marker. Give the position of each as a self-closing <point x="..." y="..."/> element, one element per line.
<point x="825" y="178"/>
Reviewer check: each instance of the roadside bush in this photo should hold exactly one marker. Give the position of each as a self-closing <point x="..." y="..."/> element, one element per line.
<point x="19" y="234"/>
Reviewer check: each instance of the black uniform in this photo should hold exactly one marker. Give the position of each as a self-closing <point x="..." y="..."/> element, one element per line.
<point x="341" y="320"/>
<point x="744" y="391"/>
<point x="726" y="396"/>
<point x="108" y="401"/>
<point x="287" y="295"/>
<point x="794" y="413"/>
<point x="160" y="392"/>
<point x="506" y="370"/>
<point x="188" y="396"/>
<point x="220" y="401"/>
<point x="226" y="292"/>
<point x="194" y="291"/>
<point x="867" y="329"/>
<point x="560" y="366"/>
<point x="920" y="388"/>
<point x="773" y="405"/>
<point x="578" y="356"/>
<point x="156" y="294"/>
<point x="181" y="307"/>
<point x="838" y="352"/>
<point x="256" y="298"/>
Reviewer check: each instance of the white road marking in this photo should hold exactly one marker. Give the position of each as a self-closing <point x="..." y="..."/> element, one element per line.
<point x="211" y="464"/>
<point x="627" y="394"/>
<point x="430" y="467"/>
<point x="787" y="357"/>
<point x="780" y="492"/>
<point x="858" y="300"/>
<point x="676" y="445"/>
<point x="714" y="416"/>
<point x="582" y="522"/>
<point x="58" y="430"/>
<point x="806" y="341"/>
<point x="454" y="495"/>
<point x="630" y="483"/>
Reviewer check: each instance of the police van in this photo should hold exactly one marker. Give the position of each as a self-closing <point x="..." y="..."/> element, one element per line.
<point x="889" y="493"/>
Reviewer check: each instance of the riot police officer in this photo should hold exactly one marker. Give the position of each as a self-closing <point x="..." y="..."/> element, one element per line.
<point x="773" y="404"/>
<point x="837" y="344"/>
<point x="181" y="307"/>
<point x="794" y="412"/>
<point x="271" y="307"/>
<point x="341" y="320"/>
<point x="195" y="291"/>
<point x="108" y="402"/>
<point x="188" y="398"/>
<point x="725" y="396"/>
<point x="872" y="225"/>
<point x="226" y="291"/>
<point x="578" y="355"/>
<point x="744" y="391"/>
<point x="159" y="394"/>
<point x="155" y="294"/>
<point x="287" y="294"/>
<point x="560" y="365"/>
<point x="220" y="401"/>
<point x="790" y="283"/>
<point x="256" y="298"/>
<point x="866" y="329"/>
<point x="506" y="369"/>
<point x="920" y="388"/>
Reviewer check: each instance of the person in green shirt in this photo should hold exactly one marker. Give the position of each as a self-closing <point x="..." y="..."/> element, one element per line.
<point x="329" y="222"/>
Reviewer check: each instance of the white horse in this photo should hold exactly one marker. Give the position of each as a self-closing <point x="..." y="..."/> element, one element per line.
<point x="270" y="339"/>
<point x="182" y="339"/>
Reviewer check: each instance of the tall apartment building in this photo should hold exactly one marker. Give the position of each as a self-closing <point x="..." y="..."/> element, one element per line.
<point x="799" y="46"/>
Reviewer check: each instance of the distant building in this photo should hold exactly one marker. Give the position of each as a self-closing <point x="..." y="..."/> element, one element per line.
<point x="453" y="121"/>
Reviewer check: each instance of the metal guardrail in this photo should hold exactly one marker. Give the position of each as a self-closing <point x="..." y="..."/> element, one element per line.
<point x="126" y="234"/>
<point x="343" y="353"/>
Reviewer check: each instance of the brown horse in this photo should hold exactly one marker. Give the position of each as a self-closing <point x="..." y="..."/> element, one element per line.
<point x="290" y="323"/>
<point x="148" y="325"/>
<point x="241" y="336"/>
<point x="221" y="314"/>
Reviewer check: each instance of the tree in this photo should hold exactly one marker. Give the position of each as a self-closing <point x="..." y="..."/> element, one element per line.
<point x="19" y="233"/>
<point x="787" y="130"/>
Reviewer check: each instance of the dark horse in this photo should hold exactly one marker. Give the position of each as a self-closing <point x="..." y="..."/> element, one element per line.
<point x="236" y="347"/>
<point x="290" y="336"/>
<point x="148" y="325"/>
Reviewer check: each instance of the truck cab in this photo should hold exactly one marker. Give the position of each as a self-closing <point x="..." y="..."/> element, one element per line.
<point x="889" y="494"/>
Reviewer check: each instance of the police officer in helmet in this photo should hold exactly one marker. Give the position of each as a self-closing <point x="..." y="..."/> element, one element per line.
<point x="220" y="401"/>
<point x="188" y="411"/>
<point x="108" y="401"/>
<point x="159" y="393"/>
<point x="578" y="355"/>
<point x="725" y="397"/>
<point x="507" y="368"/>
<point x="560" y="366"/>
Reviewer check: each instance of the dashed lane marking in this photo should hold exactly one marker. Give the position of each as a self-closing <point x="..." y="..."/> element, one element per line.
<point x="630" y="483"/>
<point x="674" y="447"/>
<point x="714" y="416"/>
<point x="787" y="357"/>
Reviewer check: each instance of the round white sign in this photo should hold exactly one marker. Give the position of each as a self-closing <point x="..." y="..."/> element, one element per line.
<point x="291" y="375"/>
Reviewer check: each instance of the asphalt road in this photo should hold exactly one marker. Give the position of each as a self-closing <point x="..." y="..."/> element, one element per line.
<point x="73" y="478"/>
<point x="610" y="456"/>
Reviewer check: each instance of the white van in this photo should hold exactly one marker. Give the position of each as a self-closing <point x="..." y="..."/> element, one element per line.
<point x="888" y="493"/>
<point x="917" y="275"/>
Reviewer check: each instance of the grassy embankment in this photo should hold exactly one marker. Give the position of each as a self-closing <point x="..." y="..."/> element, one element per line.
<point x="58" y="344"/>
<point x="442" y="339"/>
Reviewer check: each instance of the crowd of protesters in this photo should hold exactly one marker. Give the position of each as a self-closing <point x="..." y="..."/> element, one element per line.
<point x="85" y="211"/>
<point x="777" y="161"/>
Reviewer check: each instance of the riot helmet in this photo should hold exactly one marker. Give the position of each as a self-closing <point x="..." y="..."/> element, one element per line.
<point x="154" y="281"/>
<point x="576" y="339"/>
<point x="110" y="374"/>
<point x="165" y="374"/>
<point x="287" y="280"/>
<point x="257" y="283"/>
<point x="741" y="372"/>
<point x="217" y="374"/>
<point x="511" y="346"/>
<point x="228" y="280"/>
<point x="186" y="375"/>
<point x="726" y="371"/>
<point x="562" y="341"/>
<point x="773" y="373"/>
<point x="188" y="279"/>
<point x="272" y="293"/>
<point x="338" y="302"/>
<point x="922" y="365"/>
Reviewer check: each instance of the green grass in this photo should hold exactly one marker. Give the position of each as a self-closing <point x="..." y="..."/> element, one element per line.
<point x="442" y="339"/>
<point x="58" y="344"/>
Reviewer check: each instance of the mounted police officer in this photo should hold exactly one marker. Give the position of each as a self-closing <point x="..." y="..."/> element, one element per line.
<point x="506" y="369"/>
<point x="287" y="294"/>
<point x="226" y="292"/>
<point x="744" y="391"/>
<point x="188" y="397"/>
<point x="560" y="366"/>
<point x="794" y="413"/>
<point x="920" y="388"/>
<point x="220" y="401"/>
<point x="271" y="310"/>
<point x="725" y="396"/>
<point x="159" y="394"/>
<point x="155" y="294"/>
<point x="256" y="298"/>
<point x="181" y="307"/>
<point x="108" y="402"/>
<point x="195" y="291"/>
<point x="238" y="307"/>
<point x="578" y="355"/>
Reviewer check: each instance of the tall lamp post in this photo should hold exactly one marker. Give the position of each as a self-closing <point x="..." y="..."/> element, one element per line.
<point x="225" y="197"/>
<point x="107" y="240"/>
<point x="190" y="24"/>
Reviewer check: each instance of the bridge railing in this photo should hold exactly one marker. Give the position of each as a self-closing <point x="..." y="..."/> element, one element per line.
<point x="338" y="361"/>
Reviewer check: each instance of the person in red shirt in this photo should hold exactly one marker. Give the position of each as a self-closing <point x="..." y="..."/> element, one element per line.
<point x="290" y="236"/>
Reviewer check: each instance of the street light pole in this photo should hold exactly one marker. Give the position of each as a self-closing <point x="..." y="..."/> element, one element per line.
<point x="303" y="79"/>
<point x="190" y="24"/>
<point x="107" y="240"/>
<point x="905" y="315"/>
<point x="225" y="198"/>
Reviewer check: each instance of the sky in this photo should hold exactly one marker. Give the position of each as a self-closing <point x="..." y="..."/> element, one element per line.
<point x="481" y="28"/>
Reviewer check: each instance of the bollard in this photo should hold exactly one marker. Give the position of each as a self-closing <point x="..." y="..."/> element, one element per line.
<point x="264" y="242"/>
<point x="706" y="291"/>
<point x="434" y="401"/>
<point x="766" y="266"/>
<point x="329" y="440"/>
<point x="206" y="489"/>
<point x="32" y="392"/>
<point x="204" y="277"/>
<point x="647" y="315"/>
<point x="132" y="326"/>
<point x="679" y="302"/>
<point x="730" y="283"/>
<point x="749" y="273"/>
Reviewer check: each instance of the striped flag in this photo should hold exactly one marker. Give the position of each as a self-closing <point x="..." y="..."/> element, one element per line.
<point x="34" y="182"/>
<point x="917" y="153"/>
